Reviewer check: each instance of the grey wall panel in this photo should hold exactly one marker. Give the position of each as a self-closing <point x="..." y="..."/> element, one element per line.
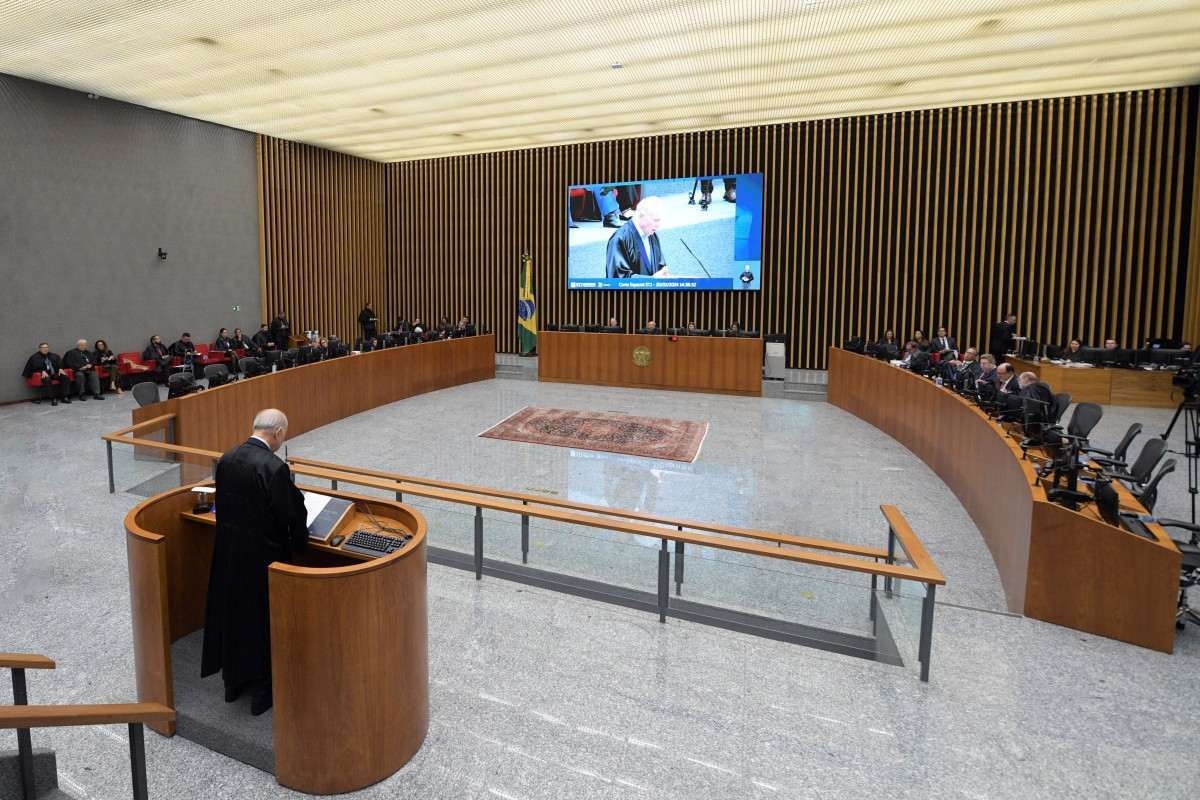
<point x="89" y="190"/>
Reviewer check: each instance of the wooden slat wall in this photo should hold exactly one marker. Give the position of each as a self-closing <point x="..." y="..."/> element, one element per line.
<point x="1191" y="285"/>
<point x="324" y="242"/>
<point x="1074" y="213"/>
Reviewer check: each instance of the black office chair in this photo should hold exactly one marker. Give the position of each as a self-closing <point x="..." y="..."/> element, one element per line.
<point x="1062" y="402"/>
<point x="216" y="374"/>
<point x="1116" y="456"/>
<point x="251" y="366"/>
<point x="550" y="326"/>
<point x="1139" y="473"/>
<point x="1084" y="418"/>
<point x="145" y="393"/>
<point x="1148" y="494"/>
<point x="1054" y="353"/>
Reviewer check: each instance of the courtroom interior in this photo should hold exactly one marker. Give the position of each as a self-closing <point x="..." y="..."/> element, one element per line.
<point x="534" y="401"/>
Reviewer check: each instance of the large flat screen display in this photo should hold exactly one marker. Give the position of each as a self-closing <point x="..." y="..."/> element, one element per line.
<point x="697" y="233"/>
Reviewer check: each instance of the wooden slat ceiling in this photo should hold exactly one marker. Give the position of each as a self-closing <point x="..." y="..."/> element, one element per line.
<point x="394" y="81"/>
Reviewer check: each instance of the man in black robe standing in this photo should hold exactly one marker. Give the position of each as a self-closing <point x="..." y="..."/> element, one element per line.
<point x="1002" y="336"/>
<point x="634" y="248"/>
<point x="260" y="519"/>
<point x="369" y="322"/>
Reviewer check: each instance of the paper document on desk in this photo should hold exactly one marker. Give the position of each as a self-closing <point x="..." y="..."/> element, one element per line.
<point x="314" y="504"/>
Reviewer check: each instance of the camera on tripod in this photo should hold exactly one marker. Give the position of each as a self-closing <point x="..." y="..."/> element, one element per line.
<point x="1188" y="379"/>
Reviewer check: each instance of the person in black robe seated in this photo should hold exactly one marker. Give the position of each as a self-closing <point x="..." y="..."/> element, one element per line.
<point x="281" y="331"/>
<point x="1073" y="351"/>
<point x="49" y="366"/>
<point x="260" y="519"/>
<point x="368" y="320"/>
<point x="223" y="341"/>
<point x="1037" y="406"/>
<point x="368" y="345"/>
<point x="336" y="348"/>
<point x="157" y="352"/>
<point x="634" y="248"/>
<point x="104" y="357"/>
<point x="262" y="340"/>
<point x="87" y="379"/>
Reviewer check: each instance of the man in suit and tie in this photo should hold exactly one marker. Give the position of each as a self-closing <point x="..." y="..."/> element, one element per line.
<point x="915" y="359"/>
<point x="260" y="519"/>
<point x="944" y="344"/>
<point x="634" y="248"/>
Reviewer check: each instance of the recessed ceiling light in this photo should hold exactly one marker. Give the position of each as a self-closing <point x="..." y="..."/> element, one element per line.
<point x="988" y="25"/>
<point x="378" y="110"/>
<point x="205" y="40"/>
<point x="616" y="65"/>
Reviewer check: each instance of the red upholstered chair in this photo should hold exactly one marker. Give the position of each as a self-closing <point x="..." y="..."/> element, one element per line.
<point x="34" y="381"/>
<point x="128" y="363"/>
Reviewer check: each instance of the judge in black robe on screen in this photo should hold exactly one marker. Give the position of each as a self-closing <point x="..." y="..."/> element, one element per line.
<point x="634" y="249"/>
<point x="260" y="519"/>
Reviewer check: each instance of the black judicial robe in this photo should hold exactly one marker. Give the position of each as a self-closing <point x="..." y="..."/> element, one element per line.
<point x="260" y="519"/>
<point x="627" y="256"/>
<point x="51" y="362"/>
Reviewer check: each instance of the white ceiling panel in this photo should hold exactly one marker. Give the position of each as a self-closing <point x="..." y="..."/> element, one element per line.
<point x="394" y="81"/>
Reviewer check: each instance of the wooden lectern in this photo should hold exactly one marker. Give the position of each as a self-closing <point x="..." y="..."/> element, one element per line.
<point x="349" y="639"/>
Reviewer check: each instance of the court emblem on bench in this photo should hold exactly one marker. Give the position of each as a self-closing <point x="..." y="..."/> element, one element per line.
<point x="641" y="356"/>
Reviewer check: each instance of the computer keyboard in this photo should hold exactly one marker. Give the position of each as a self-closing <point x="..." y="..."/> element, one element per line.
<point x="372" y="544"/>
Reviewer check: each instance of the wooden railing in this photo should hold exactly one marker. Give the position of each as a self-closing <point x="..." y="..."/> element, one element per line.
<point x="22" y="717"/>
<point x="842" y="556"/>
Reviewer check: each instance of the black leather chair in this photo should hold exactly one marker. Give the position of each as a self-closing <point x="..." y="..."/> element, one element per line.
<point x="145" y="393"/>
<point x="216" y="375"/>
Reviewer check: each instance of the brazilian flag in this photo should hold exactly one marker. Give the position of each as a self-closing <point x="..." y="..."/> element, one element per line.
<point x="527" y="309"/>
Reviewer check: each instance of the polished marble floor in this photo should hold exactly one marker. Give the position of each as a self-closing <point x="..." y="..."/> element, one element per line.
<point x="540" y="695"/>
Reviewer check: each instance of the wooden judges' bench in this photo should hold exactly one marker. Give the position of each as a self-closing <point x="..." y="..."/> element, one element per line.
<point x="1057" y="565"/>
<point x="1118" y="387"/>
<point x="690" y="363"/>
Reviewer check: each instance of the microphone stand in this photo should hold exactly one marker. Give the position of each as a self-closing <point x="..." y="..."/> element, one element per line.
<point x="698" y="261"/>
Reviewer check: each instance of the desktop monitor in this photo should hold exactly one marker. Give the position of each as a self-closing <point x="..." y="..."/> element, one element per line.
<point x="571" y="328"/>
<point x="612" y="329"/>
<point x="1119" y="357"/>
<point x="1091" y="355"/>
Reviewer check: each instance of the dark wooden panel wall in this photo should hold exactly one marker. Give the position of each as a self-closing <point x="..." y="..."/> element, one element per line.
<point x="1074" y="213"/>
<point x="323" y="235"/>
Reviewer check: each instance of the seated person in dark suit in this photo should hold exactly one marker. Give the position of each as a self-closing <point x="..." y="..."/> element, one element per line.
<point x="944" y="344"/>
<point x="368" y="345"/>
<point x="157" y="352"/>
<point x="223" y="341"/>
<point x="1072" y="351"/>
<point x="49" y="366"/>
<point x="183" y="347"/>
<point x="1008" y="392"/>
<point x="691" y="330"/>
<point x="921" y="339"/>
<point x="986" y="387"/>
<point x="651" y="326"/>
<point x="239" y="341"/>
<point x="86" y="377"/>
<point x="263" y="339"/>
<point x="1110" y="344"/>
<point x="336" y="348"/>
<point x="958" y="371"/>
<point x="464" y="328"/>
<point x="634" y="248"/>
<point x="261" y="520"/>
<point x="732" y="330"/>
<point x="915" y="359"/>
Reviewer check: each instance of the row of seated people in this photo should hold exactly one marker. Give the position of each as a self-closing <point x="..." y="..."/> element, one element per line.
<point x="1157" y="352"/>
<point x="405" y="332"/>
<point x="691" y="329"/>
<point x="87" y="371"/>
<point x="998" y="388"/>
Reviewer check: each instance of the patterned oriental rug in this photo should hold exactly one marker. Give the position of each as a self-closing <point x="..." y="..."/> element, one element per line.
<point x="677" y="440"/>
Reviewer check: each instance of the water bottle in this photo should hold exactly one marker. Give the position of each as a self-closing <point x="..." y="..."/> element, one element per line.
<point x="938" y="380"/>
<point x="274" y="366"/>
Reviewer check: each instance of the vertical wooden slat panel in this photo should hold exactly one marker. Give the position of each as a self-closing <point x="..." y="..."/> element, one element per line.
<point x="1079" y="214"/>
